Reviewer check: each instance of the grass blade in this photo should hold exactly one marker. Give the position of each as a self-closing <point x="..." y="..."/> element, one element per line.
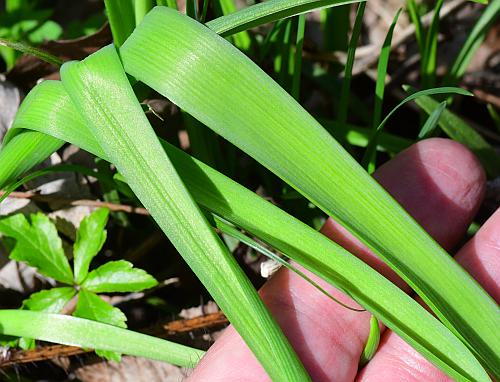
<point x="476" y="37"/>
<point x="121" y="18"/>
<point x="141" y="8"/>
<point x="457" y="129"/>
<point x="371" y="149"/>
<point x="411" y="7"/>
<point x="351" y="51"/>
<point x="267" y="12"/>
<point x="432" y="121"/>
<point x="429" y="56"/>
<point x="371" y="343"/>
<point x="234" y="232"/>
<point x="335" y="23"/>
<point x="297" y="65"/>
<point x="48" y="170"/>
<point x="227" y="199"/>
<point x="287" y="140"/>
<point x="23" y="152"/>
<point x="204" y="11"/>
<point x="282" y="62"/>
<point x="191" y="10"/>
<point x="494" y="116"/>
<point x="227" y="8"/>
<point x="168" y="3"/>
<point x="119" y="125"/>
<point x="32" y="51"/>
<point x="383" y="63"/>
<point x="203" y="142"/>
<point x="75" y="331"/>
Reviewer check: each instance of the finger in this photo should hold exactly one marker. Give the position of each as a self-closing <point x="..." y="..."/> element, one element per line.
<point x="481" y="256"/>
<point x="328" y="338"/>
<point x="396" y="360"/>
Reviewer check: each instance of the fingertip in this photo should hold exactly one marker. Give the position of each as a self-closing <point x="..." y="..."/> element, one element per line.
<point x="481" y="256"/>
<point x="441" y="184"/>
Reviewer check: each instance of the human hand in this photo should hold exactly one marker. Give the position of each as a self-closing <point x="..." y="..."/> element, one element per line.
<point x="441" y="185"/>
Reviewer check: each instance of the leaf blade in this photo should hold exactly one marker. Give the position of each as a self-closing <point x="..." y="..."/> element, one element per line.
<point x="38" y="245"/>
<point x="134" y="149"/>
<point x="90" y="238"/>
<point x="50" y="301"/>
<point x="432" y="121"/>
<point x="118" y="276"/>
<point x="295" y="135"/>
<point x="267" y="12"/>
<point x="308" y="247"/>
<point x="459" y="130"/>
<point x="75" y="331"/>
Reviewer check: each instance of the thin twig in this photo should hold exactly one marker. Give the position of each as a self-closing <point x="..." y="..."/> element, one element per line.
<point x="14" y="357"/>
<point x="203" y="322"/>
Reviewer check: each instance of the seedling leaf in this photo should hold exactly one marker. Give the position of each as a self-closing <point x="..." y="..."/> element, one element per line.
<point x="38" y="245"/>
<point x="118" y="276"/>
<point x="90" y="238"/>
<point x="371" y="148"/>
<point x="50" y="301"/>
<point x="459" y="130"/>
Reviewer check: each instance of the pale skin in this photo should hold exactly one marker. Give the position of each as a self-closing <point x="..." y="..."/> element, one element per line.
<point x="441" y="184"/>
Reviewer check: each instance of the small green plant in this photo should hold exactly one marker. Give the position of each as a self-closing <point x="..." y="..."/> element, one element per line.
<point x="39" y="245"/>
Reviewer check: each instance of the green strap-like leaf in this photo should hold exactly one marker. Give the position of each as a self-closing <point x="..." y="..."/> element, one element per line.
<point x="227" y="199"/>
<point x="428" y="64"/>
<point x="32" y="51"/>
<point x="100" y="90"/>
<point x="383" y="63"/>
<point x="351" y="51"/>
<point x="267" y="12"/>
<point x="242" y="39"/>
<point x="91" y="334"/>
<point x="90" y="238"/>
<point x="121" y="18"/>
<point x="38" y="245"/>
<point x="410" y="248"/>
<point x="372" y="342"/>
<point x="118" y="276"/>
<point x="459" y="130"/>
<point x="92" y="307"/>
<point x="432" y="122"/>
<point x="22" y="155"/>
<point x="369" y="156"/>
<point x="275" y="130"/>
<point x="476" y="37"/>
